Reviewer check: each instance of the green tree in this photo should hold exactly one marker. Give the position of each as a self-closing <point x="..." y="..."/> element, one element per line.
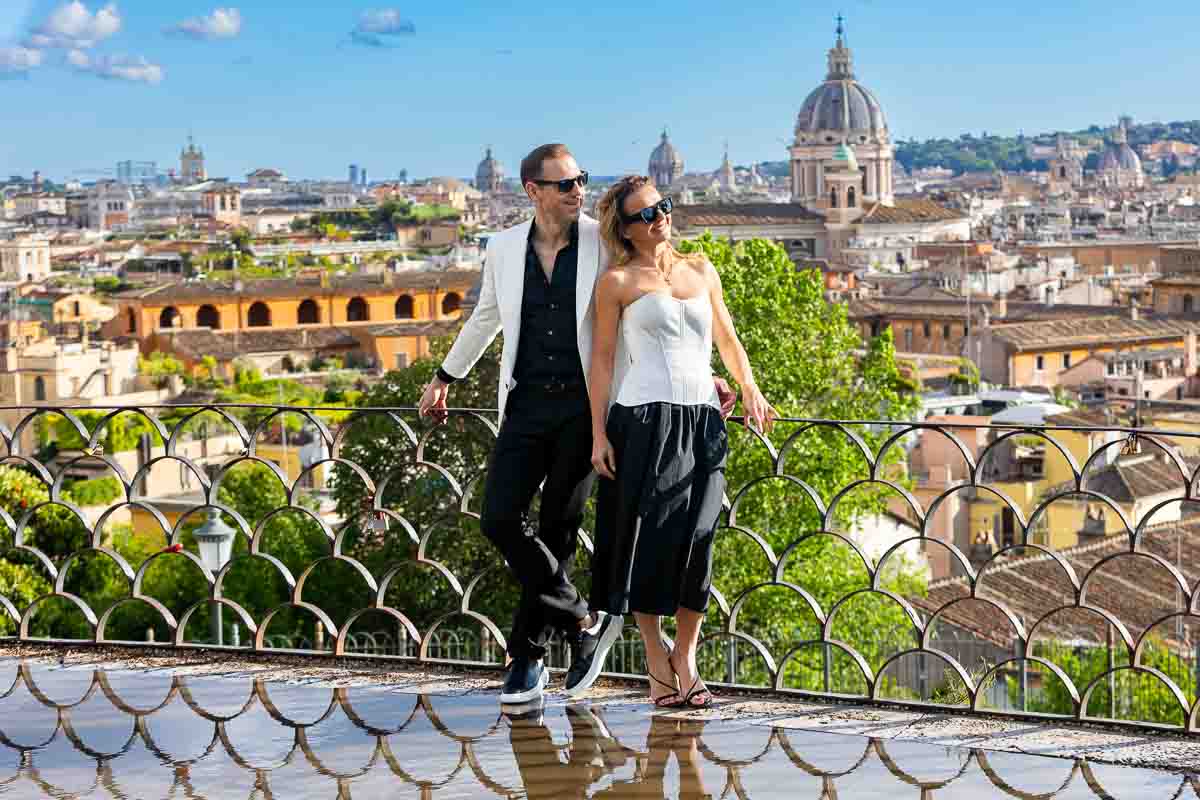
<point x="160" y="366"/>
<point x="802" y="350"/>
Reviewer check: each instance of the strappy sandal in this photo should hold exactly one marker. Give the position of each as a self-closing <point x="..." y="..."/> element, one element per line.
<point x="697" y="688"/>
<point x="675" y="698"/>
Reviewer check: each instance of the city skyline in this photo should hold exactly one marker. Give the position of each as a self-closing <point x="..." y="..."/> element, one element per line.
<point x="311" y="91"/>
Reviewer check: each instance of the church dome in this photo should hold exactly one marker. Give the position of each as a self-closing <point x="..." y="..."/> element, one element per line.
<point x="1120" y="156"/>
<point x="489" y="174"/>
<point x="666" y="165"/>
<point x="841" y="108"/>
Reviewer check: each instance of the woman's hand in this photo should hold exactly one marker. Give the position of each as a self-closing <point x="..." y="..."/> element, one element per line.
<point x="726" y="396"/>
<point x="603" y="457"/>
<point x="758" y="410"/>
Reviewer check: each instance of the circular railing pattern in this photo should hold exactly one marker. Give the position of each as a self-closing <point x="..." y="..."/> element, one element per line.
<point x="980" y="601"/>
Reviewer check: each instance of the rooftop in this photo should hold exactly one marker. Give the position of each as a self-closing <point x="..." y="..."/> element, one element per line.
<point x="1098" y="330"/>
<point x="225" y="345"/>
<point x="729" y="214"/>
<point x="1134" y="589"/>
<point x="183" y="291"/>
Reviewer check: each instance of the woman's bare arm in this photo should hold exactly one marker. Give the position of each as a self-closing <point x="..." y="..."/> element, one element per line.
<point x="600" y="375"/>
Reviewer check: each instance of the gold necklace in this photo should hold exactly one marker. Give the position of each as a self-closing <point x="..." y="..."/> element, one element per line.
<point x="666" y="274"/>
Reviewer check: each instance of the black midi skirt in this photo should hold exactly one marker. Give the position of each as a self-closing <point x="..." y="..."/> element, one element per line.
<point x="656" y="522"/>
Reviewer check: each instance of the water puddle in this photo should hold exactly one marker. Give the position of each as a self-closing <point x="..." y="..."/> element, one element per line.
<point x="84" y="733"/>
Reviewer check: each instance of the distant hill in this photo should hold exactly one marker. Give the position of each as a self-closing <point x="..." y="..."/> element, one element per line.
<point x="986" y="153"/>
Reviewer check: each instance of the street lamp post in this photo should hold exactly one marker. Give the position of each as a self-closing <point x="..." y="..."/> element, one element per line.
<point x="215" y="540"/>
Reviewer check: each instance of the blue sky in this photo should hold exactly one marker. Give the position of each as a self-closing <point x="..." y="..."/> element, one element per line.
<point x="311" y="88"/>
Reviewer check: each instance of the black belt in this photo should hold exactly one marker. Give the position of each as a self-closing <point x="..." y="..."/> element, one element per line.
<point x="554" y="386"/>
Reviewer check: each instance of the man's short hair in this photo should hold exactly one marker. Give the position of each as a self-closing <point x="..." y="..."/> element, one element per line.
<point x="531" y="165"/>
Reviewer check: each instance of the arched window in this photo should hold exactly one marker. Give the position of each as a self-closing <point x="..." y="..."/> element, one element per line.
<point x="1187" y="303"/>
<point x="169" y="318"/>
<point x="208" y="317"/>
<point x="850" y="199"/>
<point x="833" y="199"/>
<point x="404" y="307"/>
<point x="259" y="315"/>
<point x="39" y="388"/>
<point x="309" y="313"/>
<point x="357" y="311"/>
<point x="131" y="316"/>
<point x="451" y="303"/>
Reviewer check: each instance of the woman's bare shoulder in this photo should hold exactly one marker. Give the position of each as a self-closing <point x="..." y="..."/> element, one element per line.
<point x="613" y="279"/>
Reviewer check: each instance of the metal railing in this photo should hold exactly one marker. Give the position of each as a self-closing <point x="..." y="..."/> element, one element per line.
<point x="371" y="548"/>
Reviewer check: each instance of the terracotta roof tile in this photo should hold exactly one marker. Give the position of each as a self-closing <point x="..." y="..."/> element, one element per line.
<point x="909" y="210"/>
<point x="728" y="214"/>
<point x="1136" y="592"/>
<point x="1084" y="332"/>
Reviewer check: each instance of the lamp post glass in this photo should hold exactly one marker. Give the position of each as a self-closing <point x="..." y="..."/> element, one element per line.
<point x="215" y="540"/>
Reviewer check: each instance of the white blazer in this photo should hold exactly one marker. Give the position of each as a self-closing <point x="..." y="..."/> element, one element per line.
<point x="500" y="296"/>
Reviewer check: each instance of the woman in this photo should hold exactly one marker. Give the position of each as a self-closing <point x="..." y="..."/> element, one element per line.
<point x="660" y="450"/>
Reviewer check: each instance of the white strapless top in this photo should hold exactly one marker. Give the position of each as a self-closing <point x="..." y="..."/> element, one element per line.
<point x="666" y="345"/>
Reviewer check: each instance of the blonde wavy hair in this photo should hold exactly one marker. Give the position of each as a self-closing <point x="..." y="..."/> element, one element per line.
<point x="612" y="224"/>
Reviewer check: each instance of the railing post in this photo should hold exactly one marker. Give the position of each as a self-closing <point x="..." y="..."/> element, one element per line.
<point x="1196" y="666"/>
<point x="1023" y="677"/>
<point x="828" y="667"/>
<point x="731" y="660"/>
<point x="1112" y="678"/>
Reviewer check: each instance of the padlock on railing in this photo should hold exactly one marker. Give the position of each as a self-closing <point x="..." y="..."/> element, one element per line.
<point x="376" y="519"/>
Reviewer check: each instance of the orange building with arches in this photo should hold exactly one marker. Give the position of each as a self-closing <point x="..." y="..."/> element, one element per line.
<point x="385" y="320"/>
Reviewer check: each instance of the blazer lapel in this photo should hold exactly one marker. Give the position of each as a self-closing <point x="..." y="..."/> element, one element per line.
<point x="585" y="273"/>
<point x="514" y="272"/>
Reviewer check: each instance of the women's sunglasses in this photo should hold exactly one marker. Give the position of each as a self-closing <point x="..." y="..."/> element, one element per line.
<point x="650" y="213"/>
<point x="566" y="184"/>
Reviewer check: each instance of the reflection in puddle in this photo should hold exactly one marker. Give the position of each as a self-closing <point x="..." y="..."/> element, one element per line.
<point x="79" y="734"/>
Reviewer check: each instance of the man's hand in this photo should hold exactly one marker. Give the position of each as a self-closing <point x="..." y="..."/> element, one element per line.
<point x="727" y="396"/>
<point x="433" y="401"/>
<point x="604" y="460"/>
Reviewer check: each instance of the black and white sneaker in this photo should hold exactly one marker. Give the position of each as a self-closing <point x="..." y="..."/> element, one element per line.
<point x="525" y="681"/>
<point x="590" y="649"/>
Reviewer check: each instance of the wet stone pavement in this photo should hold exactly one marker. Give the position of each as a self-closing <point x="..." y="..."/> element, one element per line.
<point x="91" y="730"/>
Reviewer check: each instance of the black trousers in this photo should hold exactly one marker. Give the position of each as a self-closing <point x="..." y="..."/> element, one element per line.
<point x="544" y="437"/>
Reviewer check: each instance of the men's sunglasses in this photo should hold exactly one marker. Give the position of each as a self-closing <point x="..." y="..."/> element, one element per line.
<point x="566" y="184"/>
<point x="650" y="213"/>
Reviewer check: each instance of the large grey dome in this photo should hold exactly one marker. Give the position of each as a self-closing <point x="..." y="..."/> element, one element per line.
<point x="666" y="164"/>
<point x="665" y="156"/>
<point x="489" y="175"/>
<point x="841" y="108"/>
<point x="841" y="105"/>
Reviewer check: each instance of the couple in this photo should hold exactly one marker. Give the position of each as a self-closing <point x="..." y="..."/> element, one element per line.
<point x="608" y="335"/>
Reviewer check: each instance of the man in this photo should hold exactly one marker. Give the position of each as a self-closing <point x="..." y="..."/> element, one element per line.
<point x="537" y="286"/>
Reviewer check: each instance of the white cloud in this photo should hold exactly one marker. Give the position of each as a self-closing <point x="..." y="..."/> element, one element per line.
<point x="17" y="60"/>
<point x="222" y="23"/>
<point x="125" y="68"/>
<point x="73" y="26"/>
<point x="386" y="21"/>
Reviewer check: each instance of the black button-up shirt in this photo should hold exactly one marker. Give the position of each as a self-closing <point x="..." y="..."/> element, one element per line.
<point x="548" y="351"/>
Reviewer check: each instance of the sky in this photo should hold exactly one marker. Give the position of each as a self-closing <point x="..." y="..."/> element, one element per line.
<point x="310" y="88"/>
